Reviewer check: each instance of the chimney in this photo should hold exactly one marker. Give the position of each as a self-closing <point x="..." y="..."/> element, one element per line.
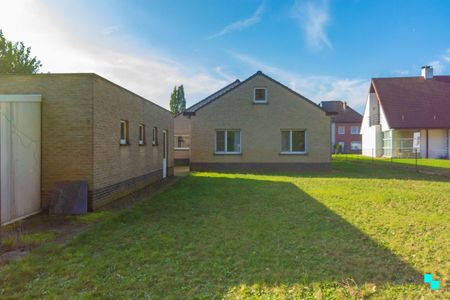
<point x="344" y="105"/>
<point x="427" y="72"/>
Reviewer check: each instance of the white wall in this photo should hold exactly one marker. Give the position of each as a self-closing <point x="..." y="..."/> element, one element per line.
<point x="20" y="156"/>
<point x="371" y="135"/>
<point x="438" y="143"/>
<point x="371" y="141"/>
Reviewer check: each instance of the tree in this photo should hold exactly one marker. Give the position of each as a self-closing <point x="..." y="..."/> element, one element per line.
<point x="181" y="99"/>
<point x="177" y="100"/>
<point x="174" y="101"/>
<point x="15" y="58"/>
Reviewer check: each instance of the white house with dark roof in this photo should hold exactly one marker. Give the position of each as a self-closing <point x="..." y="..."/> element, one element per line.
<point x="405" y="115"/>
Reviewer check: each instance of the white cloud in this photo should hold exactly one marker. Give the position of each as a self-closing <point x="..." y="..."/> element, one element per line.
<point x="446" y="56"/>
<point x="241" y="24"/>
<point x="61" y="47"/>
<point x="316" y="88"/>
<point x="312" y="17"/>
<point x="438" y="66"/>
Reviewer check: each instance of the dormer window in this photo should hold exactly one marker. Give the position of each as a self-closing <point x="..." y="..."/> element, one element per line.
<point x="260" y="95"/>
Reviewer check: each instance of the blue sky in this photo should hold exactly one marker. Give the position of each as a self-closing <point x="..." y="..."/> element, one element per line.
<point x="325" y="50"/>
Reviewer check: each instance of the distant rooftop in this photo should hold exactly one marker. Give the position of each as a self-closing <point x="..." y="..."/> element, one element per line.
<point x="341" y="112"/>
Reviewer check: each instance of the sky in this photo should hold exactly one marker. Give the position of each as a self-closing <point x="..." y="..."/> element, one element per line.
<point x="323" y="49"/>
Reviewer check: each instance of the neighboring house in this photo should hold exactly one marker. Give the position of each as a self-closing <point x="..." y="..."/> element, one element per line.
<point x="405" y="115"/>
<point x="258" y="125"/>
<point x="182" y="140"/>
<point x="71" y="127"/>
<point x="345" y="127"/>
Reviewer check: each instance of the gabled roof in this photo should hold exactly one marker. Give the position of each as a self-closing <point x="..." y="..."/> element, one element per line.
<point x="414" y="102"/>
<point x="212" y="97"/>
<point x="340" y="112"/>
<point x="191" y="110"/>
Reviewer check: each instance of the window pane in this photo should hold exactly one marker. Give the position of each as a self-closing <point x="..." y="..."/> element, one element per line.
<point x="122" y="130"/>
<point x="220" y="141"/>
<point x="298" y="141"/>
<point x="285" y="141"/>
<point x="233" y="141"/>
<point x="260" y="94"/>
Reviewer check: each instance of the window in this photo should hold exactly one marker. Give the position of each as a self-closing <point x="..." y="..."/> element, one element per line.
<point x="141" y="134"/>
<point x="387" y="143"/>
<point x="228" y="141"/>
<point x="293" y="141"/>
<point x="355" y="146"/>
<point x="155" y="136"/>
<point x="341" y="130"/>
<point x="182" y="142"/>
<point x="260" y="95"/>
<point x="354" y="130"/>
<point x="123" y="132"/>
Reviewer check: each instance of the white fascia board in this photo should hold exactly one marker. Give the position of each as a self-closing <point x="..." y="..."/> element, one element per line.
<point x="20" y="98"/>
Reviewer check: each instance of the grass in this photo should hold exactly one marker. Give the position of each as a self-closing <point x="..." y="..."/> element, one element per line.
<point x="28" y="240"/>
<point x="427" y="163"/>
<point x="360" y="231"/>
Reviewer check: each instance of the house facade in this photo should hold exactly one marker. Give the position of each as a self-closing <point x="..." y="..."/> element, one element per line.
<point x="258" y="124"/>
<point x="182" y="140"/>
<point x="345" y="127"/>
<point x="408" y="116"/>
<point x="90" y="129"/>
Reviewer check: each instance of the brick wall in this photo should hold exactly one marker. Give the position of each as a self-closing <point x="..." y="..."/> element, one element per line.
<point x="81" y="129"/>
<point x="347" y="137"/>
<point x="260" y="126"/>
<point x="115" y="163"/>
<point x="66" y="141"/>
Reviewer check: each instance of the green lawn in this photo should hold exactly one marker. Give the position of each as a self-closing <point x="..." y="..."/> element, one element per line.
<point x="427" y="163"/>
<point x="359" y="231"/>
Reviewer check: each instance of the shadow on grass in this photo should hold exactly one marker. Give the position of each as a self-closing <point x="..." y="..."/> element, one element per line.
<point x="208" y="235"/>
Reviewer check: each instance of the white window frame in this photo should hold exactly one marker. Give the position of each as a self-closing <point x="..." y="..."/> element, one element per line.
<point x="181" y="148"/>
<point x="141" y="134"/>
<point x="339" y="130"/>
<point x="290" y="142"/>
<point x="254" y="95"/>
<point x="226" y="142"/>
<point x="355" y="142"/>
<point x="357" y="130"/>
<point x="123" y="141"/>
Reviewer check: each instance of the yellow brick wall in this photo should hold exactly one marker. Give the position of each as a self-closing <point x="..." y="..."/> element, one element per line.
<point x="260" y="126"/>
<point x="66" y="124"/>
<point x="81" y="127"/>
<point x="114" y="162"/>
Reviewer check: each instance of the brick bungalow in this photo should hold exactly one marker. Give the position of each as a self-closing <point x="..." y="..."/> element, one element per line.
<point x="80" y="127"/>
<point x="257" y="124"/>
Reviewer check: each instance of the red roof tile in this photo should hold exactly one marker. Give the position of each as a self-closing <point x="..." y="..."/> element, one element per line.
<point x="413" y="102"/>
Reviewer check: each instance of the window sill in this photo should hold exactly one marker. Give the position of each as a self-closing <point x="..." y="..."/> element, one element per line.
<point x="260" y="102"/>
<point x="293" y="153"/>
<point x="154" y="144"/>
<point x="227" y="153"/>
<point x="181" y="149"/>
<point x="124" y="144"/>
<point x="142" y="144"/>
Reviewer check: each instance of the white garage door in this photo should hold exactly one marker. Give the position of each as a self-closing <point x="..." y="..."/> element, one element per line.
<point x="20" y="156"/>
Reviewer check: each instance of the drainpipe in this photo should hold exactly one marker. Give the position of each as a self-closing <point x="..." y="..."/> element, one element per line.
<point x="427" y="144"/>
